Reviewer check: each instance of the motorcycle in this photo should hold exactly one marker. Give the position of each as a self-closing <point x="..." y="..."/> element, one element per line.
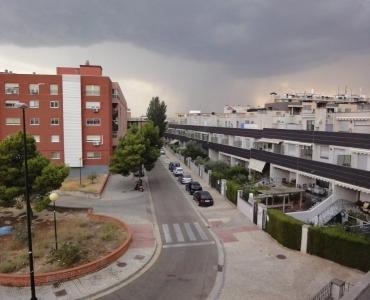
<point x="139" y="186"/>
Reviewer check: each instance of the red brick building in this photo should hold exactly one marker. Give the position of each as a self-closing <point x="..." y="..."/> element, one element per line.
<point x="75" y="116"/>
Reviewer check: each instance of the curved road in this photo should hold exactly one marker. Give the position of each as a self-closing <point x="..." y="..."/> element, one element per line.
<point x="187" y="265"/>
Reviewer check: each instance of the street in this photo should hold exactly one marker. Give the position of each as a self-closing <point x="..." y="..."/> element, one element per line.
<point x="187" y="265"/>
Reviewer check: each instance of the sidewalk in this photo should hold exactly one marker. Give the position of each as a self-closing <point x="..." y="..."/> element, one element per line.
<point x="120" y="201"/>
<point x="258" y="267"/>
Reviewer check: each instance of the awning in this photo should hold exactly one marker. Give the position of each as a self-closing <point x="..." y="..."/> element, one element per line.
<point x="352" y="187"/>
<point x="298" y="143"/>
<point x="271" y="141"/>
<point x="353" y="118"/>
<point x="256" y="165"/>
<point x="361" y="151"/>
<point x="174" y="142"/>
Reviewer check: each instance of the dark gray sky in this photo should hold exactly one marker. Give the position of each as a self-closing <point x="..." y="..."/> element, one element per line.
<point x="195" y="54"/>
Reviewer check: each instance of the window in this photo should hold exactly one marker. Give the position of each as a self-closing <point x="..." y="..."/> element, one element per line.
<point x="92" y="90"/>
<point x="33" y="89"/>
<point x="324" y="151"/>
<point x="12" y="121"/>
<point x="93" y="138"/>
<point x="344" y="160"/>
<point x="92" y="105"/>
<point x="11" y="88"/>
<point x="34" y="104"/>
<point x="54" y="104"/>
<point x="93" y="122"/>
<point x="53" y="89"/>
<point x="310" y="125"/>
<point x="362" y="161"/>
<point x="93" y="155"/>
<point x="54" y="121"/>
<point x="11" y="103"/>
<point x="55" y="155"/>
<point x="34" y="121"/>
<point x="55" y="138"/>
<point x="37" y="138"/>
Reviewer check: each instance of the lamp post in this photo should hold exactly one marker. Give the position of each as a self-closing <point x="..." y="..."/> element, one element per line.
<point x="53" y="198"/>
<point x="80" y="171"/>
<point x="23" y="106"/>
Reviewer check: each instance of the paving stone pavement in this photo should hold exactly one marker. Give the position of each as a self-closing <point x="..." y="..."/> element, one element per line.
<point x="121" y="201"/>
<point x="256" y="266"/>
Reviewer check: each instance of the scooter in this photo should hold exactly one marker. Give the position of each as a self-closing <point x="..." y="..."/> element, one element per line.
<point x="139" y="186"/>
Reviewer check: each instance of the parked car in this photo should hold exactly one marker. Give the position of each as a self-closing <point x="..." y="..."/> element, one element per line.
<point x="193" y="186"/>
<point x="203" y="198"/>
<point x="179" y="177"/>
<point x="185" y="179"/>
<point x="178" y="171"/>
<point x="162" y="151"/>
<point x="173" y="165"/>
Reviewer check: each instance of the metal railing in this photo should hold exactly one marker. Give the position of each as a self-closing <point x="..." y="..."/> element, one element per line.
<point x="324" y="293"/>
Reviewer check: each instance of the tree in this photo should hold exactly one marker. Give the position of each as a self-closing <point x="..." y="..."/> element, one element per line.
<point x="139" y="147"/>
<point x="157" y="114"/>
<point x="194" y="150"/>
<point x="43" y="176"/>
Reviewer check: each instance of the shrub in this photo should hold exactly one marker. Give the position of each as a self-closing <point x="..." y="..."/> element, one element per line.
<point x="232" y="188"/>
<point x="92" y="177"/>
<point x="68" y="254"/>
<point x="14" y="264"/>
<point x="217" y="166"/>
<point x="285" y="229"/>
<point x="214" y="180"/>
<point x="7" y="266"/>
<point x="336" y="244"/>
<point x="200" y="160"/>
<point x="41" y="203"/>
<point x="194" y="150"/>
<point x="20" y="233"/>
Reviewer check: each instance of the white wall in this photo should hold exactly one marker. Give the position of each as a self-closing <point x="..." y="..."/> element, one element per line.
<point x="72" y="123"/>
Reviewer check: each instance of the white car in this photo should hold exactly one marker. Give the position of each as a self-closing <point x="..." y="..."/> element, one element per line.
<point x="162" y="152"/>
<point x="186" y="179"/>
<point x="178" y="171"/>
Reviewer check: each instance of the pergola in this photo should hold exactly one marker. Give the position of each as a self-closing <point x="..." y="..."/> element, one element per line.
<point x="279" y="191"/>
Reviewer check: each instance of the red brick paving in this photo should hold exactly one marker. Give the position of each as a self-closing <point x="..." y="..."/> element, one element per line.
<point x="227" y="234"/>
<point x="142" y="236"/>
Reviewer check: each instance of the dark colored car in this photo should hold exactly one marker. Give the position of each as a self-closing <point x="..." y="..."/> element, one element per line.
<point x="173" y="165"/>
<point x="203" y="198"/>
<point x="193" y="187"/>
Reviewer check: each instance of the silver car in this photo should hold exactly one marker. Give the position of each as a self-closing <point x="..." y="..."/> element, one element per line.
<point x="186" y="179"/>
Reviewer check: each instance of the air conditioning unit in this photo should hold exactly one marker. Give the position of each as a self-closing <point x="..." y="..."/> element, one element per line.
<point x="97" y="143"/>
<point x="96" y="109"/>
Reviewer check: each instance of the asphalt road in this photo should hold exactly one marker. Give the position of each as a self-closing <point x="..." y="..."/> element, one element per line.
<point x="187" y="265"/>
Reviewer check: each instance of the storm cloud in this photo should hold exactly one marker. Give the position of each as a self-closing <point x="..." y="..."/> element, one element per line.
<point x="251" y="37"/>
<point x="210" y="51"/>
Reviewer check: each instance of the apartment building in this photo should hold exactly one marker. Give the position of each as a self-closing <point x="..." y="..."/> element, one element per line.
<point x="76" y="115"/>
<point x="339" y="113"/>
<point x="334" y="163"/>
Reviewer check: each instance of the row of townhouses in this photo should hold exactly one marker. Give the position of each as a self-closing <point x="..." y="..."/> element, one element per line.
<point x="315" y="143"/>
<point x="76" y="115"/>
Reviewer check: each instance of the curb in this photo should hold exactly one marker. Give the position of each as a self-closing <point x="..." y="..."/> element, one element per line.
<point x="153" y="258"/>
<point x="219" y="282"/>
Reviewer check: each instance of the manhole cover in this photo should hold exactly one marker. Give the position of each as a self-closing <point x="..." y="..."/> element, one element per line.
<point x="139" y="257"/>
<point x="281" y="256"/>
<point x="60" y="293"/>
<point x="121" y="264"/>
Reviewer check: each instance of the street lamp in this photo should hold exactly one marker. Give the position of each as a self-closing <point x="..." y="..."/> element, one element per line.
<point x="53" y="198"/>
<point x="23" y="106"/>
<point x="80" y="171"/>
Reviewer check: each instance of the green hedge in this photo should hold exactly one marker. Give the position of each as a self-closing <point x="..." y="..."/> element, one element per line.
<point x="214" y="178"/>
<point x="285" y="229"/>
<point x="336" y="244"/>
<point x="232" y="188"/>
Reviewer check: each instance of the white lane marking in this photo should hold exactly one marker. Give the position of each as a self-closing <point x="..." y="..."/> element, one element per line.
<point x="189" y="232"/>
<point x="200" y="231"/>
<point x="166" y="232"/>
<point x="178" y="232"/>
<point x="188" y="244"/>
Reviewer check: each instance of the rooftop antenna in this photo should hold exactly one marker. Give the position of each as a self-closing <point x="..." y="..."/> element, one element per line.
<point x="87" y="63"/>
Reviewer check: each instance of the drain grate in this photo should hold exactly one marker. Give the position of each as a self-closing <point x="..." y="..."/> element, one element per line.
<point x="60" y="293"/>
<point x="139" y="257"/>
<point x="281" y="256"/>
<point x="121" y="264"/>
<point x="220" y="268"/>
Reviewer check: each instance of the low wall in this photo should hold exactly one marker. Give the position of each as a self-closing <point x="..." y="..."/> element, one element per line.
<point x="245" y="208"/>
<point x="67" y="274"/>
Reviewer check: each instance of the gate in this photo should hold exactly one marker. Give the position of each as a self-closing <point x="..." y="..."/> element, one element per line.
<point x="255" y="212"/>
